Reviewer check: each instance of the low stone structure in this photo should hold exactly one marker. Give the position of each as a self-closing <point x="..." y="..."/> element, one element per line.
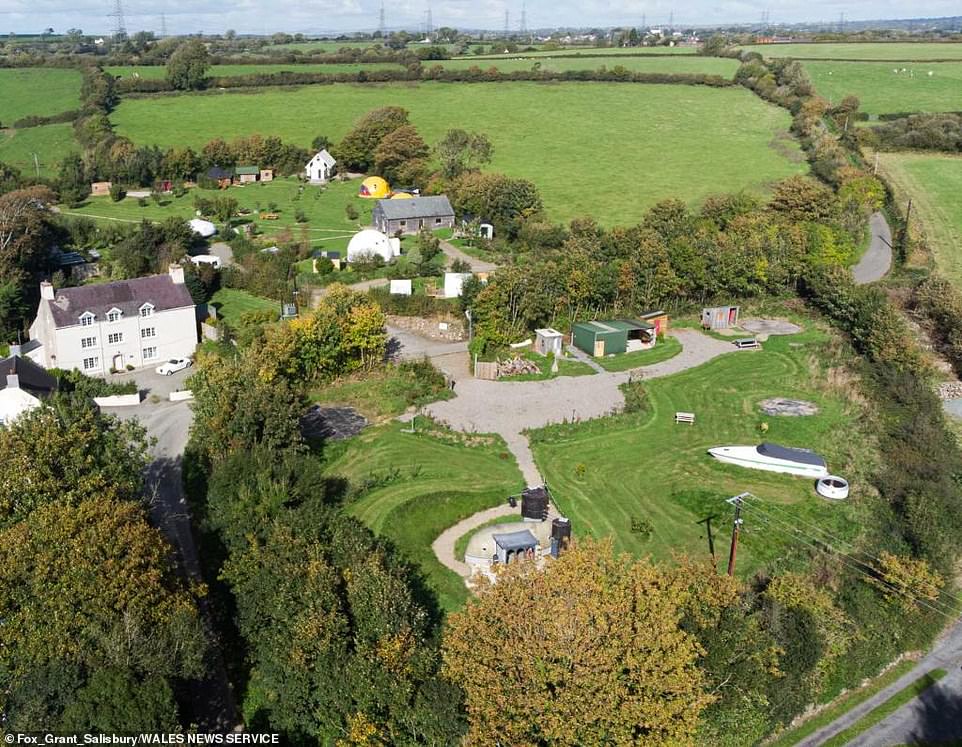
<point x="446" y="329"/>
<point x="788" y="407"/>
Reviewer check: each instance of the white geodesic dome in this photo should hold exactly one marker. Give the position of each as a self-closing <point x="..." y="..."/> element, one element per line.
<point x="369" y="243"/>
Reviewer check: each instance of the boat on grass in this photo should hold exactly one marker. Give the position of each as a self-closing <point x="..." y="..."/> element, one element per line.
<point x="773" y="458"/>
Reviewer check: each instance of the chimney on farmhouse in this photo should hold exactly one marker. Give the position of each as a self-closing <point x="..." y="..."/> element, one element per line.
<point x="13" y="381"/>
<point x="176" y="274"/>
<point x="46" y="291"/>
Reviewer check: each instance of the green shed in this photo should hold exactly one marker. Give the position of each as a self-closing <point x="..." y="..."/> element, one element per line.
<point x="609" y="337"/>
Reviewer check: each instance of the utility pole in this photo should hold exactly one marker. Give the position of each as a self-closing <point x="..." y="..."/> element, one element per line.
<point x="430" y="23"/>
<point x="711" y="539"/>
<point x="736" y="527"/>
<point x="120" y="26"/>
<point x="841" y="22"/>
<point x="644" y="22"/>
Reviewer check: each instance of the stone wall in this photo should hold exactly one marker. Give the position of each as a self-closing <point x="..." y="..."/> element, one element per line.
<point x="431" y="328"/>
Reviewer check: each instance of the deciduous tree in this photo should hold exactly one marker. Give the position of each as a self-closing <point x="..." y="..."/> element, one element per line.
<point x="187" y="67"/>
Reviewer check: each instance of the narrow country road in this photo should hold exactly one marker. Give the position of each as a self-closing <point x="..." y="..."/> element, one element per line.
<point x="921" y="720"/>
<point x="877" y="260"/>
<point x="212" y="699"/>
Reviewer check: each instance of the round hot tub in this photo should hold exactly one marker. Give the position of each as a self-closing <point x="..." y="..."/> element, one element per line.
<point x="833" y="487"/>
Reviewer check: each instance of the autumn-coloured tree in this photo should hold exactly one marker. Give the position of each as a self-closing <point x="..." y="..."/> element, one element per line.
<point x="356" y="151"/>
<point x="398" y="148"/>
<point x="93" y="611"/>
<point x="68" y="453"/>
<point x="588" y="650"/>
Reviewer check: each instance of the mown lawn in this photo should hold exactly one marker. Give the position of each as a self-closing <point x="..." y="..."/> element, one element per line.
<point x="933" y="183"/>
<point x="50" y="143"/>
<point x="327" y="226"/>
<point x="665" y="348"/>
<point x="608" y="473"/>
<point x="232" y="303"/>
<point x="653" y="142"/>
<point x="862" y="51"/>
<point x="422" y="485"/>
<point x="882" y="90"/>
<point x="38" y="91"/>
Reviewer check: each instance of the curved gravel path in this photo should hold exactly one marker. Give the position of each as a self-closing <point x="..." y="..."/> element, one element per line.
<point x="510" y="407"/>
<point x="877" y="260"/>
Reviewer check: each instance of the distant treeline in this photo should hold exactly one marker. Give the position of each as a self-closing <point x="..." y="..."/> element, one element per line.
<point x="616" y="74"/>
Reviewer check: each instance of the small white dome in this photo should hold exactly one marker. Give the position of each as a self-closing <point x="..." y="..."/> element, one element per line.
<point x="369" y="242"/>
<point x="203" y="227"/>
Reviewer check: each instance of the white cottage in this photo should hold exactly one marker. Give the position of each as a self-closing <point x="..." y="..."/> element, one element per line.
<point x="23" y="385"/>
<point x="320" y="168"/>
<point x="96" y="328"/>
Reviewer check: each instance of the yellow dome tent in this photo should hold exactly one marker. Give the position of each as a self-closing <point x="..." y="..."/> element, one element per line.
<point x="402" y="196"/>
<point x="374" y="188"/>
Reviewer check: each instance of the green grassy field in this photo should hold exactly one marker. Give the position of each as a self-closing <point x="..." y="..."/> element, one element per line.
<point x="327" y="226"/>
<point x="436" y="484"/>
<point x="674" y="64"/>
<point x="681" y="140"/>
<point x="37" y="91"/>
<point x="646" y="468"/>
<point x="862" y="51"/>
<point x="155" y="72"/>
<point x="934" y="183"/>
<point x="50" y="142"/>
<point x="231" y="303"/>
<point x="881" y="90"/>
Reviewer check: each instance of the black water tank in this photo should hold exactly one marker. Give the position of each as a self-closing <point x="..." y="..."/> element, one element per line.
<point x="561" y="531"/>
<point x="534" y="504"/>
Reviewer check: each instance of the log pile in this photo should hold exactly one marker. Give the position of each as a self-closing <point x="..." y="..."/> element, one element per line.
<point x="517" y="366"/>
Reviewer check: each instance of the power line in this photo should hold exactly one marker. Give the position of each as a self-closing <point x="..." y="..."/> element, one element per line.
<point x="524" y="18"/>
<point x="507" y="24"/>
<point x="163" y="25"/>
<point x="430" y="23"/>
<point x="869" y="571"/>
<point x="380" y="19"/>
<point x="120" y="26"/>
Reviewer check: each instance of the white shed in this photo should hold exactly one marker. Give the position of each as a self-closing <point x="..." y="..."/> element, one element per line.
<point x="454" y="283"/>
<point x="368" y="243"/>
<point x="548" y="340"/>
<point x="320" y="168"/>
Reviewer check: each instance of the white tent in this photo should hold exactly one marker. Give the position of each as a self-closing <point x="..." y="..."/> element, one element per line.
<point x="203" y="228"/>
<point x="401" y="288"/>
<point x="368" y="243"/>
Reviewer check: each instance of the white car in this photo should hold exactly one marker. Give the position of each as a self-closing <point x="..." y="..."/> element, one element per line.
<point x="173" y="366"/>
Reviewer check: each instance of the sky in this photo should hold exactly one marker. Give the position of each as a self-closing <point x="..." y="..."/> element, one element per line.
<point x="327" y="16"/>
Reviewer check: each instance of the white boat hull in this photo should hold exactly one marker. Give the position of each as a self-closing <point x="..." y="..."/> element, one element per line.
<point x="748" y="456"/>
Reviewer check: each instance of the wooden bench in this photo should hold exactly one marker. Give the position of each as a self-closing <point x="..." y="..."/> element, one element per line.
<point x="685" y="417"/>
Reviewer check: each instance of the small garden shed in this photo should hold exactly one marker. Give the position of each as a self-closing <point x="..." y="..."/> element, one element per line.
<point x="612" y="336"/>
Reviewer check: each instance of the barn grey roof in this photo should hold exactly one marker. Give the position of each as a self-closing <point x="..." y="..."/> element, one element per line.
<point x="803" y="456"/>
<point x="33" y="378"/>
<point x="417" y="207"/>
<point x="127" y="295"/>
<point x="516" y="540"/>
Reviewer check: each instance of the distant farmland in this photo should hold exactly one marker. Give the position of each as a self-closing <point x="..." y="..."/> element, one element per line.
<point x="652" y="142"/>
<point x="676" y="64"/>
<point x="50" y="143"/>
<point x="866" y="51"/>
<point x="883" y="90"/>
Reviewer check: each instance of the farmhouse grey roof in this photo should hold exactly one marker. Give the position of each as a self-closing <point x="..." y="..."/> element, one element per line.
<point x="33" y="378"/>
<point x="416" y="207"/>
<point x="160" y="291"/>
<point x="803" y="456"/>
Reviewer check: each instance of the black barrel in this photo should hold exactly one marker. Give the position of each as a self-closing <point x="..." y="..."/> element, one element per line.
<point x="534" y="504"/>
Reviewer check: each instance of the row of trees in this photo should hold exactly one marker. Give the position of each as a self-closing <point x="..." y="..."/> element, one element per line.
<point x="734" y="247"/>
<point x="340" y="636"/>
<point x="99" y="629"/>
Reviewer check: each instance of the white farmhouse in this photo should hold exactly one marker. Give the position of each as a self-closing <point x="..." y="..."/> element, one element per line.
<point x="320" y="168"/>
<point x="96" y="328"/>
